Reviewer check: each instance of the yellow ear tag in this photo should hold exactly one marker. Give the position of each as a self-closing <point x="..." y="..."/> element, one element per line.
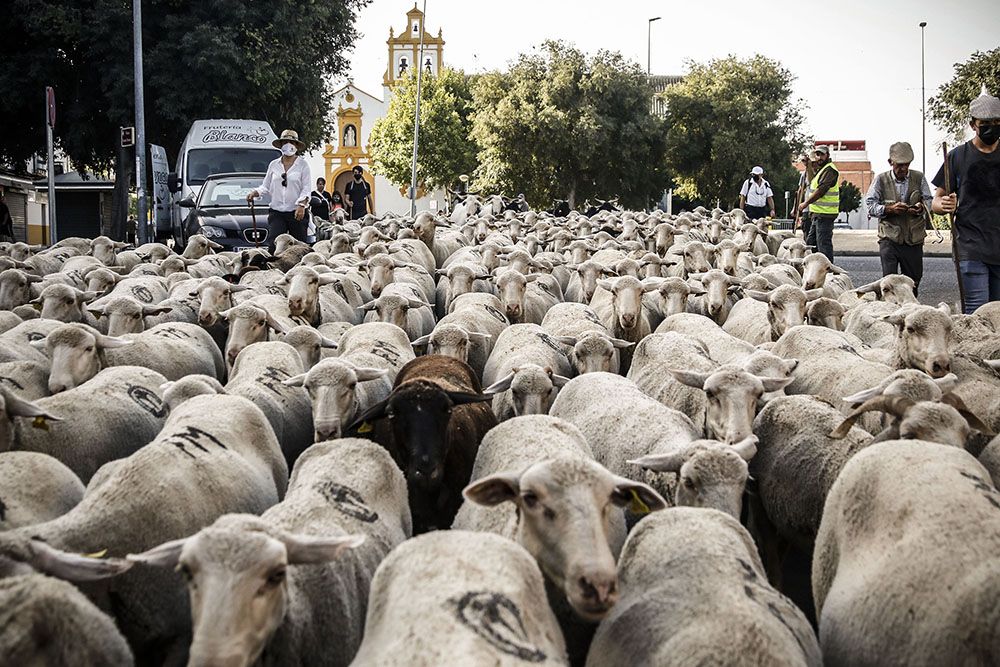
<point x="366" y="427"/>
<point x="39" y="422"/>
<point x="637" y="506"/>
<point x="97" y="554"/>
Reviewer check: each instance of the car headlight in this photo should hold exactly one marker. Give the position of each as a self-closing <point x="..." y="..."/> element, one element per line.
<point x="212" y="232"/>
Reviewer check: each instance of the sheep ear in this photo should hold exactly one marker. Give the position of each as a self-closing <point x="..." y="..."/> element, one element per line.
<point x="420" y="342"/>
<point x="813" y="294"/>
<point x="155" y="310"/>
<point x="897" y="319"/>
<point x="97" y="311"/>
<point x="621" y="344"/>
<point x="283" y="280"/>
<point x="480" y="336"/>
<point x="365" y="374"/>
<point x="328" y="344"/>
<point x="566" y="340"/>
<point x="39" y="344"/>
<point x="308" y="549"/>
<point x="371" y="305"/>
<point x="559" y="380"/>
<point x="970" y="417"/>
<point x="689" y="378"/>
<point x="746" y="447"/>
<point x="833" y="268"/>
<point x="15" y="406"/>
<point x="946" y="383"/>
<point x="774" y="384"/>
<point x="670" y="462"/>
<point x="376" y="411"/>
<point x="111" y="343"/>
<point x="417" y="303"/>
<point x="638" y="497"/>
<point x="73" y="567"/>
<point x="758" y="295"/>
<point x="606" y="285"/>
<point x="894" y="405"/>
<point x="295" y="380"/>
<point x="166" y="555"/>
<point x="495" y="489"/>
<point x="867" y="394"/>
<point x="501" y="385"/>
<point x="944" y="308"/>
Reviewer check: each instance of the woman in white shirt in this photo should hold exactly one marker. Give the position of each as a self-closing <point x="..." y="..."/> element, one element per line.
<point x="288" y="181"/>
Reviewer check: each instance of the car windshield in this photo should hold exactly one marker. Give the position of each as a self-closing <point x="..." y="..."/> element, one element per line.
<point x="203" y="162"/>
<point x="230" y="192"/>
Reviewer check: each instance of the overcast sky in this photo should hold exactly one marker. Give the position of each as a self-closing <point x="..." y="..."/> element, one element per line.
<point x="859" y="76"/>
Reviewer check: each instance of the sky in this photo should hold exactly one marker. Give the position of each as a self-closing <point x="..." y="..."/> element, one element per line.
<point x="857" y="62"/>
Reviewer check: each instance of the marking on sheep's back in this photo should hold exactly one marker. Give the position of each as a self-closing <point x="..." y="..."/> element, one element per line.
<point x="272" y="378"/>
<point x="382" y="349"/>
<point x="171" y="332"/>
<point x="32" y="336"/>
<point x="985" y="488"/>
<point x="347" y="500"/>
<point x="147" y="399"/>
<point x="550" y="341"/>
<point x="497" y="315"/>
<point x="142" y="293"/>
<point x="494" y="617"/>
<point x="11" y="381"/>
<point x="192" y="436"/>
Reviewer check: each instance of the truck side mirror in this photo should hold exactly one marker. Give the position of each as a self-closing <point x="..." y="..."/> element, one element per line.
<point x="187" y="202"/>
<point x="173" y="182"/>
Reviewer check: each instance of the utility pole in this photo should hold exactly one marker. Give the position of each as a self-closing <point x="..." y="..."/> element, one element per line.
<point x="50" y="123"/>
<point x="649" y="47"/>
<point x="923" y="105"/>
<point x="416" y="115"/>
<point x="140" y="125"/>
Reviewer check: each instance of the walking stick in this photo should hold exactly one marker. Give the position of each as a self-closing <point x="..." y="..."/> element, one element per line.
<point x="253" y="220"/>
<point x="954" y="230"/>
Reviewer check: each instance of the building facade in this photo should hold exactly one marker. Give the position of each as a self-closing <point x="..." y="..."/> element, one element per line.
<point x="357" y="111"/>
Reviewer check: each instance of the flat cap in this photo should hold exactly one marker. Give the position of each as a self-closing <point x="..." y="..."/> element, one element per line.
<point x="901" y="152"/>
<point x="822" y="149"/>
<point x="985" y="107"/>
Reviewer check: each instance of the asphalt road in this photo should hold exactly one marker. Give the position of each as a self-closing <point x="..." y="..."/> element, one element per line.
<point x="938" y="284"/>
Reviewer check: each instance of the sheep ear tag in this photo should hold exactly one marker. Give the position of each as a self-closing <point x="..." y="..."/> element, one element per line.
<point x="637" y="506"/>
<point x="366" y="427"/>
<point x="39" y="422"/>
<point x="97" y="554"/>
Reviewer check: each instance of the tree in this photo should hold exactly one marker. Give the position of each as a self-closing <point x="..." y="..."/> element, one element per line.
<point x="562" y="124"/>
<point x="202" y="59"/>
<point x="850" y="197"/>
<point x="445" y="150"/>
<point x="950" y="107"/>
<point x="726" y="116"/>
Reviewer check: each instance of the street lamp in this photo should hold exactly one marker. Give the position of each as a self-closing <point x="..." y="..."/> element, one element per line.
<point x="649" y="48"/>
<point x="923" y="104"/>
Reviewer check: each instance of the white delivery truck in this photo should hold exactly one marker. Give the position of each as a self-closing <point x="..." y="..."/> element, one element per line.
<point x="215" y="147"/>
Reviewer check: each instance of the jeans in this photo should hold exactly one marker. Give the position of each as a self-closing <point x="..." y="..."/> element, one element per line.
<point x="981" y="282"/>
<point x="900" y="258"/>
<point x="821" y="235"/>
<point x="281" y="222"/>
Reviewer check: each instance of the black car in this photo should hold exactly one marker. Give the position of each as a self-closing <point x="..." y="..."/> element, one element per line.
<point x="222" y="214"/>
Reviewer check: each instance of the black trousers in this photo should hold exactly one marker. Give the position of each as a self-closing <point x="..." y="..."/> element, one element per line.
<point x="756" y="212"/>
<point x="899" y="258"/>
<point x="281" y="222"/>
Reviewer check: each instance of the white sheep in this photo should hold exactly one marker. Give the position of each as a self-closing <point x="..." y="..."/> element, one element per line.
<point x="36" y="488"/>
<point x="294" y="582"/>
<point x="481" y="316"/>
<point x="592" y="347"/>
<point x="453" y="597"/>
<point x="693" y="591"/>
<point x="524" y="370"/>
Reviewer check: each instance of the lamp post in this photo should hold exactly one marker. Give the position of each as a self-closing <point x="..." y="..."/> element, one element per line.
<point x="923" y="104"/>
<point x="649" y="48"/>
<point x="416" y="115"/>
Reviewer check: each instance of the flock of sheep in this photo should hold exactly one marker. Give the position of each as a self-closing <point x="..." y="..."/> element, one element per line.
<point x="495" y="438"/>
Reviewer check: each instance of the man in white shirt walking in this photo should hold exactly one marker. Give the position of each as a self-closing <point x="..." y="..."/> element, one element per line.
<point x="756" y="197"/>
<point x="287" y="182"/>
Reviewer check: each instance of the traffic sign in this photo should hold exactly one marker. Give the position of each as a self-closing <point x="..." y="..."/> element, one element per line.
<point x="128" y="137"/>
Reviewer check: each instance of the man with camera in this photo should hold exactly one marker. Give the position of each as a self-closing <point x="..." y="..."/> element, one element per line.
<point x="900" y="198"/>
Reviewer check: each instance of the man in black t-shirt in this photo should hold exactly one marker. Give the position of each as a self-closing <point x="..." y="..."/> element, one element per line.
<point x="359" y="195"/>
<point x="975" y="201"/>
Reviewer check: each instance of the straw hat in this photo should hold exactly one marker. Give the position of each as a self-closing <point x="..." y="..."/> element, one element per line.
<point x="289" y="136"/>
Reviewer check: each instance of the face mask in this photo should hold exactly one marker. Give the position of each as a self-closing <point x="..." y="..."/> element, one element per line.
<point x="989" y="134"/>
<point x="288" y="150"/>
<point x="357" y="177"/>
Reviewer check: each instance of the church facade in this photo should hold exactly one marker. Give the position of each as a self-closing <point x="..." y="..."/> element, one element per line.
<point x="357" y="111"/>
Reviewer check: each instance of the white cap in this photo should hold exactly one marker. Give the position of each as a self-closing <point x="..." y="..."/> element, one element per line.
<point x="757" y="171"/>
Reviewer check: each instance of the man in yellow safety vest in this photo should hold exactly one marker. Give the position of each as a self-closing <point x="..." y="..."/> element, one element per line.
<point x="823" y="202"/>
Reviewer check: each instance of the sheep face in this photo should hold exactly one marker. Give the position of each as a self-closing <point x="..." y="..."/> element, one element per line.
<point x="923" y="337"/>
<point x="75" y="353"/>
<point x="63" y="303"/>
<point x="236" y="572"/>
<point x="332" y="386"/>
<point x="532" y="390"/>
<point x="594" y="353"/>
<point x="511" y="287"/>
<point x="714" y="476"/>
<point x="104" y="249"/>
<point x="590" y="273"/>
<point x="717" y="286"/>
<point x="215" y="296"/>
<point x="125" y="315"/>
<point x="664" y="238"/>
<point x="450" y="340"/>
<point x="248" y="324"/>
<point x="380" y="271"/>
<point x="698" y="257"/>
<point x="565" y="508"/>
<point x="826" y="312"/>
<point x="727" y="257"/>
<point x="101" y="281"/>
<point x="898" y="289"/>
<point x="303" y="290"/>
<point x="309" y="343"/>
<point x="815" y="268"/>
<point x="786" y="307"/>
<point x="626" y="299"/>
<point x="15" y="288"/>
<point x="934" y="422"/>
<point x="674" y="293"/>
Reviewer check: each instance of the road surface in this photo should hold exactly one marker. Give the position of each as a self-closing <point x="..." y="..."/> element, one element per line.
<point x="938" y="284"/>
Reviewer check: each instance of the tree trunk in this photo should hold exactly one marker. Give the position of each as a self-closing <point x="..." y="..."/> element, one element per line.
<point x="124" y="167"/>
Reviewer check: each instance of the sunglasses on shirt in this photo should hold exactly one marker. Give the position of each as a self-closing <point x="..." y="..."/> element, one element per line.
<point x="284" y="180"/>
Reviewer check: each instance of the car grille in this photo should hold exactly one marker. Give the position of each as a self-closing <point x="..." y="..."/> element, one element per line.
<point x="255" y="236"/>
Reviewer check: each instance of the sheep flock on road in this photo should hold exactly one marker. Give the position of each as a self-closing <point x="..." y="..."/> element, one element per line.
<point x="493" y="438"/>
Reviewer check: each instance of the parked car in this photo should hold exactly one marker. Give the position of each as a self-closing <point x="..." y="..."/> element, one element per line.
<point x="222" y="214"/>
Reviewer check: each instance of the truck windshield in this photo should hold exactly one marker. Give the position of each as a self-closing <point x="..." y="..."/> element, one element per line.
<point x="229" y="192"/>
<point x="203" y="162"/>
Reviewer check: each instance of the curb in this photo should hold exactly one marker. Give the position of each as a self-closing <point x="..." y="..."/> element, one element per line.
<point x="874" y="253"/>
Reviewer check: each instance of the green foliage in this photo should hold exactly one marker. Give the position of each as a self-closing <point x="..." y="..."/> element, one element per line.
<point x="202" y="59"/>
<point x="445" y="148"/>
<point x="850" y="197"/>
<point x="726" y="116"/>
<point x="950" y="107"/>
<point x="564" y="125"/>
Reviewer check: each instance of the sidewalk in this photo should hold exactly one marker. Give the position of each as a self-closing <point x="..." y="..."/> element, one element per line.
<point x="864" y="242"/>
